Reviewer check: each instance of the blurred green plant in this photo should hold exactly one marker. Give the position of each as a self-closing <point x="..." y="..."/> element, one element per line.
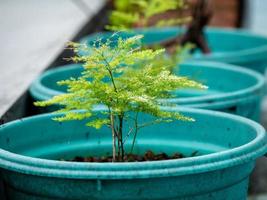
<point x="129" y="14"/>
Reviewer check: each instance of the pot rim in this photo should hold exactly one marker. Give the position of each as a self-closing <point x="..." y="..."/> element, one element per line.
<point x="41" y="92"/>
<point x="233" y="56"/>
<point x="257" y="88"/>
<point x="193" y="165"/>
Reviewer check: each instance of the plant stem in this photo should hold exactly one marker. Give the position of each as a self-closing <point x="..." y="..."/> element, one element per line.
<point x="119" y="148"/>
<point x="135" y="132"/>
<point x="116" y="134"/>
<point x="110" y="72"/>
<point x="113" y="137"/>
<point x="112" y="80"/>
<point x="120" y="134"/>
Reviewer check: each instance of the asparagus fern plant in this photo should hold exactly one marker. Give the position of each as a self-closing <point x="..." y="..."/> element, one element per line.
<point x="124" y="79"/>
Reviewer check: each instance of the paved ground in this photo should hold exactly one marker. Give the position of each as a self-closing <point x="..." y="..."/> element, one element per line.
<point x="32" y="34"/>
<point x="259" y="197"/>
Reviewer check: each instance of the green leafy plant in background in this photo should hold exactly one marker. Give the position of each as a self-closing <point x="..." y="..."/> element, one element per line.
<point x="138" y="13"/>
<point x="125" y="80"/>
<point x="128" y="14"/>
<point x="172" y="60"/>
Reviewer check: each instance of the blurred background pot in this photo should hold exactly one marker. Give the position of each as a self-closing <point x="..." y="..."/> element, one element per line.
<point x="233" y="46"/>
<point x="231" y="89"/>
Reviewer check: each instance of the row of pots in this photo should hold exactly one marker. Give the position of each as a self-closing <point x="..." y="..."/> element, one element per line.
<point x="231" y="46"/>
<point x="238" y="91"/>
<point x="227" y="145"/>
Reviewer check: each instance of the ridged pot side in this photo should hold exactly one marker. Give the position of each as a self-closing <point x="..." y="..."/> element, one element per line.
<point x="220" y="170"/>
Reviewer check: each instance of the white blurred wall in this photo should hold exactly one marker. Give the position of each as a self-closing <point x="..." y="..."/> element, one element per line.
<point x="256" y="16"/>
<point x="32" y="34"/>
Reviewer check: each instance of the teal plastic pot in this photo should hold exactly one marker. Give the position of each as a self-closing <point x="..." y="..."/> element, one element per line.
<point x="231" y="46"/>
<point x="231" y="89"/>
<point x="45" y="86"/>
<point x="226" y="145"/>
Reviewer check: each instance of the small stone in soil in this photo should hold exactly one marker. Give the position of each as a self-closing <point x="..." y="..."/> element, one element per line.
<point x="79" y="159"/>
<point x="149" y="156"/>
<point x="177" y="156"/>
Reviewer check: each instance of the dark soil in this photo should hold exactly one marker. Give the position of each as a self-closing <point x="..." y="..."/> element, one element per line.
<point x="148" y="156"/>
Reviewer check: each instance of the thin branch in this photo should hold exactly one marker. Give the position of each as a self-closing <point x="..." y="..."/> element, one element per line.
<point x="128" y="134"/>
<point x="113" y="135"/>
<point x="135" y="132"/>
<point x="110" y="72"/>
<point x="149" y="123"/>
<point x="120" y="116"/>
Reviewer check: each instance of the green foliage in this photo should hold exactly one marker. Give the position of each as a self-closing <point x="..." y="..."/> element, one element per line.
<point x="124" y="79"/>
<point x="131" y="13"/>
<point x="172" y="60"/>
